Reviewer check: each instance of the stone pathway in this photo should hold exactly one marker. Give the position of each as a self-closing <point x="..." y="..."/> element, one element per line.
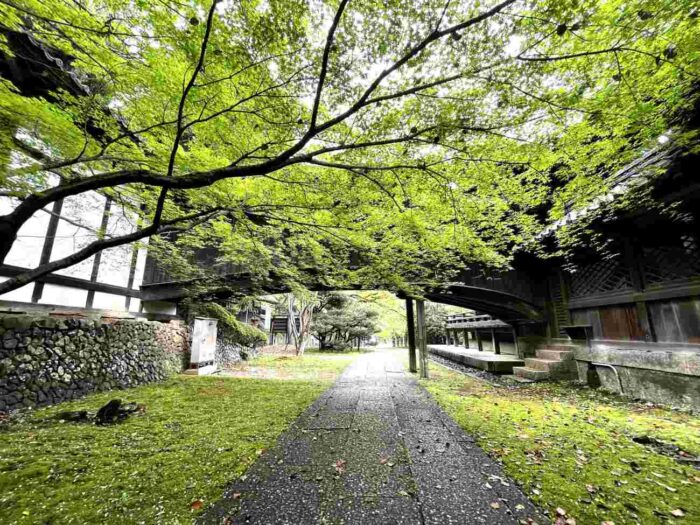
<point x="374" y="448"/>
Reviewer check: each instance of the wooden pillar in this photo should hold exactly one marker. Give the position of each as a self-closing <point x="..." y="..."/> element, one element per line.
<point x="411" y="329"/>
<point x="98" y="256"/>
<point x="48" y="246"/>
<point x="465" y="333"/>
<point x="495" y="344"/>
<point x="479" y="343"/>
<point x="515" y="342"/>
<point x="422" y="345"/>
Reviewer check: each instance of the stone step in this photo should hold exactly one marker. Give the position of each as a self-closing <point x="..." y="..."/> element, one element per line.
<point x="529" y="373"/>
<point x="558" y="346"/>
<point x="555" y="355"/>
<point x="544" y="364"/>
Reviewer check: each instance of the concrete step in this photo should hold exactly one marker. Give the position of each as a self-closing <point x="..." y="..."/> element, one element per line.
<point x="529" y="373"/>
<point x="543" y="364"/>
<point x="557" y="346"/>
<point x="555" y="355"/>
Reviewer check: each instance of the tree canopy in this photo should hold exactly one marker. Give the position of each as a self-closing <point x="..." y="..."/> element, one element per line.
<point x="343" y="320"/>
<point x="339" y="141"/>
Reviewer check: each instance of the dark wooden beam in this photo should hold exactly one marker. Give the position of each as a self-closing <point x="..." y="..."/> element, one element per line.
<point x="98" y="256"/>
<point x="49" y="240"/>
<point x="411" y="332"/>
<point x="73" y="282"/>
<point x="422" y="343"/>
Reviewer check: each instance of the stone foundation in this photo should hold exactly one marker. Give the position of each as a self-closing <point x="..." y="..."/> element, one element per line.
<point x="45" y="360"/>
<point x="666" y="374"/>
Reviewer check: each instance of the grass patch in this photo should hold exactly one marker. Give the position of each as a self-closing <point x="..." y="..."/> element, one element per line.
<point x="572" y="448"/>
<point x="197" y="435"/>
<point x="322" y="366"/>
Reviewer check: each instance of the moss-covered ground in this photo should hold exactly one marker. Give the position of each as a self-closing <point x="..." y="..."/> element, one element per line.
<point x="572" y="448"/>
<point x="312" y="365"/>
<point x="196" y="435"/>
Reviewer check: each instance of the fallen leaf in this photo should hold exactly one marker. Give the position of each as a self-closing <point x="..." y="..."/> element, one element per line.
<point x="678" y="513"/>
<point x="340" y="466"/>
<point x="197" y="504"/>
<point x="495" y="505"/>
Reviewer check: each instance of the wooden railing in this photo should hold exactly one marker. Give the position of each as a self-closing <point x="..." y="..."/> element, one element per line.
<point x="474" y="321"/>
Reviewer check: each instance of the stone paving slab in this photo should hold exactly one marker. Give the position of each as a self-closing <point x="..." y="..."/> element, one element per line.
<point x="374" y="448"/>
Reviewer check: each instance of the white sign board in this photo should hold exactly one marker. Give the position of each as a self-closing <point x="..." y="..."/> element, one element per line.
<point x="203" y="348"/>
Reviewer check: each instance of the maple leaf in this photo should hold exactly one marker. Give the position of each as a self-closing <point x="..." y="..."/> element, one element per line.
<point x="340" y="466"/>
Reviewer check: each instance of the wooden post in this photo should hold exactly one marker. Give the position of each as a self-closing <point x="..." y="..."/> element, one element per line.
<point x="422" y="346"/>
<point x="495" y="345"/>
<point x="465" y="333"/>
<point x="479" y="343"/>
<point x="515" y="342"/>
<point x="411" y="329"/>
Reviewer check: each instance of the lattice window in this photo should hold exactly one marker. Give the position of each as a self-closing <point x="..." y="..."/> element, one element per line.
<point x="561" y="312"/>
<point x="663" y="264"/>
<point x="602" y="277"/>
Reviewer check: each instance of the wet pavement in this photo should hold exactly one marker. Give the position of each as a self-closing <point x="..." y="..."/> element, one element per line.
<point x="374" y="448"/>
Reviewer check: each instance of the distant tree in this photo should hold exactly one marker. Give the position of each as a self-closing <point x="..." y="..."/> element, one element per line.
<point x="344" y="322"/>
<point x="435" y="321"/>
<point x="300" y="311"/>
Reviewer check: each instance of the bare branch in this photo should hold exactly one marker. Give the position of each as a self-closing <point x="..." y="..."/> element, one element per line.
<point x="324" y="63"/>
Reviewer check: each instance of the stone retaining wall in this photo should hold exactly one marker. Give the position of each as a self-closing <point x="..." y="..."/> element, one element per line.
<point x="228" y="353"/>
<point x="45" y="360"/>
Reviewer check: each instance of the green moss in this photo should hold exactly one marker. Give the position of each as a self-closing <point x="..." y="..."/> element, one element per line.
<point x="572" y="447"/>
<point x="196" y="436"/>
<point x="317" y="366"/>
<point x="231" y="328"/>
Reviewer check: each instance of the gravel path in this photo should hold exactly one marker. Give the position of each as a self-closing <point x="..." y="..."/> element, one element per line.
<point x="374" y="448"/>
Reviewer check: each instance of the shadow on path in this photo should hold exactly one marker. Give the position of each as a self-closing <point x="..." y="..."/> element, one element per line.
<point x="374" y="448"/>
